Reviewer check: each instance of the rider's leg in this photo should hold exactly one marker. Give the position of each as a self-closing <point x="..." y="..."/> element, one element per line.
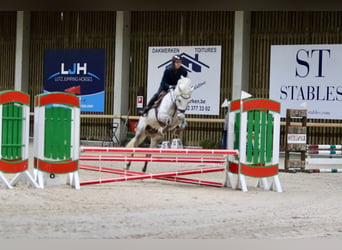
<point x="150" y="103"/>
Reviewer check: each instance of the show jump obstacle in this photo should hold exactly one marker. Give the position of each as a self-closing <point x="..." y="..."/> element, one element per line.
<point x="253" y="149"/>
<point x="322" y="154"/>
<point x="254" y="129"/>
<point x="57" y="136"/>
<point x="309" y="154"/>
<point x="14" y="139"/>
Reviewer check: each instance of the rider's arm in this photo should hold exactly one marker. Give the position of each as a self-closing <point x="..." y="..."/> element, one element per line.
<point x="164" y="82"/>
<point x="184" y="72"/>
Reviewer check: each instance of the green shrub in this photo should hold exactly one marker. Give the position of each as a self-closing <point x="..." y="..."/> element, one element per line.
<point x="209" y="144"/>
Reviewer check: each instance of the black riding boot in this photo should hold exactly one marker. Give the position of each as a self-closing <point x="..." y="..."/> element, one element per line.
<point x="149" y="104"/>
<point x="144" y="110"/>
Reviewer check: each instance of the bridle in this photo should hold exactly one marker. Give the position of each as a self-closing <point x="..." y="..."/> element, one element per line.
<point x="174" y="99"/>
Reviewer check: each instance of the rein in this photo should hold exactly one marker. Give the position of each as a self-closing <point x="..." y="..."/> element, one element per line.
<point x="174" y="102"/>
<point x="184" y="97"/>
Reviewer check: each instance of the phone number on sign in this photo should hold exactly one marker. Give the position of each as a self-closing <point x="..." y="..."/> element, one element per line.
<point x="198" y="108"/>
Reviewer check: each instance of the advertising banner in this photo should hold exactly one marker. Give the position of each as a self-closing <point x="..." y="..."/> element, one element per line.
<point x="77" y="71"/>
<point x="203" y="64"/>
<point x="307" y="77"/>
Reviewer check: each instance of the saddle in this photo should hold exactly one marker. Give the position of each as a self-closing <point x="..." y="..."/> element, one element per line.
<point x="157" y="103"/>
<point x="160" y="97"/>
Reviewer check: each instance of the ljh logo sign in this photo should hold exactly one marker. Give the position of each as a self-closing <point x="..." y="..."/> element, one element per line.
<point x="77" y="71"/>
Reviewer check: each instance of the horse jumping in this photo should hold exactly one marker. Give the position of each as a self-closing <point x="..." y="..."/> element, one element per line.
<point x="167" y="117"/>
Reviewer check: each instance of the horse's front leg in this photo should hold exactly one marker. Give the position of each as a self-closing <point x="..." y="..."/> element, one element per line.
<point x="167" y="120"/>
<point x="182" y="121"/>
<point x="181" y="124"/>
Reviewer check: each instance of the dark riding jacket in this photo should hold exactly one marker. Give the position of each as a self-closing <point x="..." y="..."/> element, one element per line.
<point x="171" y="77"/>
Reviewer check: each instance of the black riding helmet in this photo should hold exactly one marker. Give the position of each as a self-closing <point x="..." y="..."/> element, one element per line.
<point x="176" y="58"/>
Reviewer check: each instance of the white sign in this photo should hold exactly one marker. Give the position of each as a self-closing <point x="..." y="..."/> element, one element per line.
<point x="296" y="138"/>
<point x="307" y="75"/>
<point x="204" y="69"/>
<point x="140" y="101"/>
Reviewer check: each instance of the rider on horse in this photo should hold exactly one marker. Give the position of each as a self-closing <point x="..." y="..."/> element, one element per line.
<point x="171" y="75"/>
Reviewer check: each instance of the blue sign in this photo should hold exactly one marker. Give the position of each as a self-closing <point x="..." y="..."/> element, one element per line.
<point x="77" y="71"/>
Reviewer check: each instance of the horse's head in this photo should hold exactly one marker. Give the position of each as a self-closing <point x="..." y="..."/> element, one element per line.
<point x="183" y="93"/>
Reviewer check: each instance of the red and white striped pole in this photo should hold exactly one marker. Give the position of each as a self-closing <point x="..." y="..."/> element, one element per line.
<point x="152" y="175"/>
<point x="152" y="159"/>
<point x="171" y="178"/>
<point x="160" y="150"/>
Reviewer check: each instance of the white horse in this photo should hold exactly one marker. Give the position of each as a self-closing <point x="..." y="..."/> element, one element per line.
<point x="167" y="117"/>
